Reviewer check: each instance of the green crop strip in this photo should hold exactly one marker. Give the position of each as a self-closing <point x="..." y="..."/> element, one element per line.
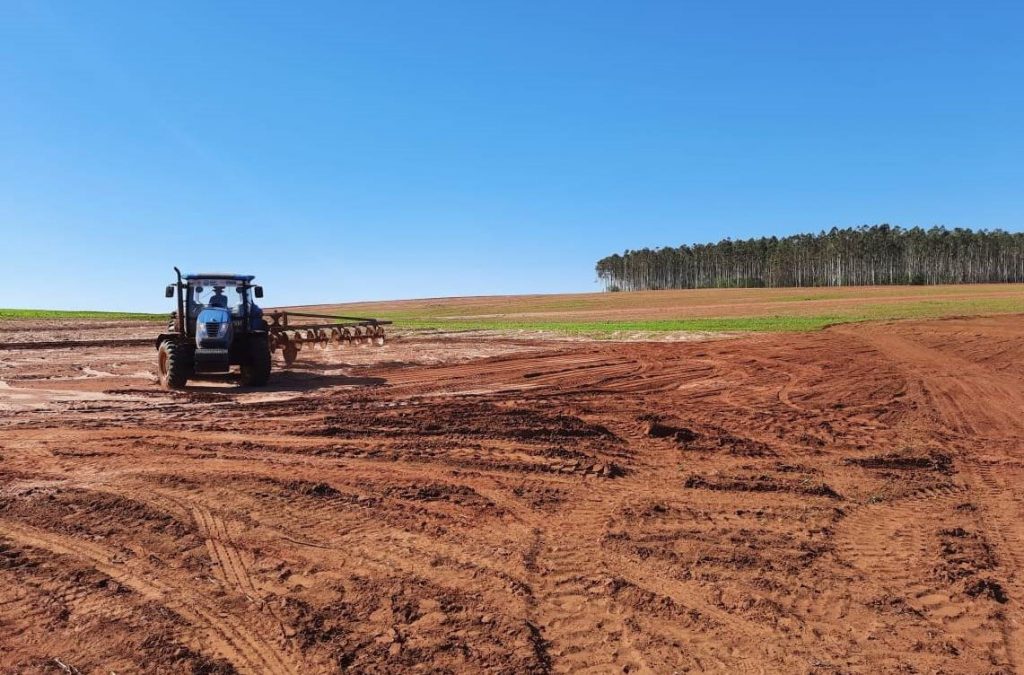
<point x="76" y="314"/>
<point x="919" y="309"/>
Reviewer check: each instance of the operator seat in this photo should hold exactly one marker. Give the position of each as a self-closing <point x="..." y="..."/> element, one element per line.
<point x="219" y="301"/>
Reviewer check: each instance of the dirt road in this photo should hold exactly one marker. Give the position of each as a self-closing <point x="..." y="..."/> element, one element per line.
<point x="844" y="501"/>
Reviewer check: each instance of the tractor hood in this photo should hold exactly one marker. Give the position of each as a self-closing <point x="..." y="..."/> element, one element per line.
<point x="214" y="328"/>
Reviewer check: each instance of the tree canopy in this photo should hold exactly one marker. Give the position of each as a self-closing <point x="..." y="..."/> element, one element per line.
<point x="866" y="255"/>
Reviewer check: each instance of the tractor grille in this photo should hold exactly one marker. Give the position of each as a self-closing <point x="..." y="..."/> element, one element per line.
<point x="213" y="328"/>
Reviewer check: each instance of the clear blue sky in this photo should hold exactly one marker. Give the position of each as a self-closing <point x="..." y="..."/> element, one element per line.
<point x="369" y="150"/>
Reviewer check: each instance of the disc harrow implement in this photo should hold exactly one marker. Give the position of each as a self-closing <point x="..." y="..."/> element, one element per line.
<point x="331" y="331"/>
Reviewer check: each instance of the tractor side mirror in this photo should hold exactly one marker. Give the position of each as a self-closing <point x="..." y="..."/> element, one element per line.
<point x="258" y="291"/>
<point x="169" y="291"/>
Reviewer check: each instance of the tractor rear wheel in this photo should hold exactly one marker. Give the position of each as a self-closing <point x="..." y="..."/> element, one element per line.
<point x="256" y="372"/>
<point x="174" y="361"/>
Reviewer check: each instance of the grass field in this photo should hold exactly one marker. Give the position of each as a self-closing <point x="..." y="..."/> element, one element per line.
<point x="74" y="314"/>
<point x="789" y="309"/>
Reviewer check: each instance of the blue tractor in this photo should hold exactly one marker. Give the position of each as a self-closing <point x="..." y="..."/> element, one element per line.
<point x="216" y="326"/>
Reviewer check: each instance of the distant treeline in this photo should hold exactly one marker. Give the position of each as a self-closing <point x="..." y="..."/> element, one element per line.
<point x="867" y="255"/>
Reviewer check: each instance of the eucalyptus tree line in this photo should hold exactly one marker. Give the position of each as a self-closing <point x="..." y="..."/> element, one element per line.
<point x="866" y="255"/>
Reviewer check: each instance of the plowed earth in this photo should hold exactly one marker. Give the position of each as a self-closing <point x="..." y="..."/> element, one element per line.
<point x="844" y="501"/>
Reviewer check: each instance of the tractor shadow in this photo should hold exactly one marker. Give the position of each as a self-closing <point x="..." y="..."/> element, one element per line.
<point x="282" y="380"/>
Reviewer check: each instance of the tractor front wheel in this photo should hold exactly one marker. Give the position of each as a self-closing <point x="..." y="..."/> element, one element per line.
<point x="174" y="361"/>
<point x="256" y="372"/>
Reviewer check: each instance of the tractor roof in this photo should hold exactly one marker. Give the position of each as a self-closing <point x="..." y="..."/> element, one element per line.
<point x="213" y="275"/>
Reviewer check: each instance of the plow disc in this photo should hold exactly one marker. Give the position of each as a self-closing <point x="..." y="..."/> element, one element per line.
<point x="331" y="331"/>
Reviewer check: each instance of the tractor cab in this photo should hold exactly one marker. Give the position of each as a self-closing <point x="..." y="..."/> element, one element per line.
<point x="233" y="293"/>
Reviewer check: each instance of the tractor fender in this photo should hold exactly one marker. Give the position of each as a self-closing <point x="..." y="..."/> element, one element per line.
<point x="175" y="337"/>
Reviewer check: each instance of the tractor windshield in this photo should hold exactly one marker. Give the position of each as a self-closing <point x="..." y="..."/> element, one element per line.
<point x="229" y="294"/>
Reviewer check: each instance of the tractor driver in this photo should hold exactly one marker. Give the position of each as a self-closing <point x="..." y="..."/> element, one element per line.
<point x="218" y="299"/>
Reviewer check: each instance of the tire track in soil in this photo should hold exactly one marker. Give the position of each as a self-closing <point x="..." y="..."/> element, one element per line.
<point x="496" y="368"/>
<point x="582" y="633"/>
<point x="978" y="407"/>
<point x="896" y="545"/>
<point x="33" y="602"/>
<point x="224" y="553"/>
<point x="26" y="613"/>
<point x="1002" y="511"/>
<point x="970" y="399"/>
<point x="247" y="650"/>
<point x="586" y="628"/>
<point x="233" y="570"/>
<point x="706" y="629"/>
<point x="357" y="546"/>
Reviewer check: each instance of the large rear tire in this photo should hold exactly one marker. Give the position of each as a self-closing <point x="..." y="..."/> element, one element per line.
<point x="174" y="362"/>
<point x="256" y="373"/>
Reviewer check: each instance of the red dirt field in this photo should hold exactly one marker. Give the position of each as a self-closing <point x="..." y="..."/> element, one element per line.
<point x="847" y="501"/>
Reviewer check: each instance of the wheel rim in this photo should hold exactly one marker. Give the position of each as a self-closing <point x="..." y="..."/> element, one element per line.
<point x="163" y="363"/>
